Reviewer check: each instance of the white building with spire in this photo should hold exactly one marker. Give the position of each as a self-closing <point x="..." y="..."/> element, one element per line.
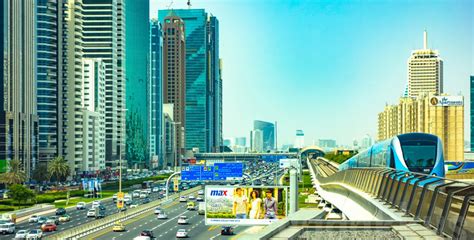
<point x="425" y="71"/>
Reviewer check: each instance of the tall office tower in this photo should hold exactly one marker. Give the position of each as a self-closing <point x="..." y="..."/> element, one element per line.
<point x="169" y="136"/>
<point x="201" y="76"/>
<point x="18" y="115"/>
<point x="257" y="144"/>
<point x="104" y="37"/>
<point x="268" y="134"/>
<point x="137" y="65"/>
<point x="174" y="75"/>
<point x="93" y="105"/>
<point x="74" y="113"/>
<point x="472" y="113"/>
<point x="425" y="71"/>
<point x="156" y="95"/>
<point x="366" y="142"/>
<point x="299" y="140"/>
<point x="51" y="78"/>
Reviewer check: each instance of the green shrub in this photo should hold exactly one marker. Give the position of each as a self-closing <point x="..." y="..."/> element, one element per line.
<point x="4" y="208"/>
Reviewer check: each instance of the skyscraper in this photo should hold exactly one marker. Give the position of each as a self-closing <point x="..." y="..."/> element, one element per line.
<point x="156" y="95"/>
<point x="268" y="134"/>
<point x="51" y="78"/>
<point x="104" y="37"/>
<point x="425" y="71"/>
<point x="137" y="81"/>
<point x="18" y="115"/>
<point x="174" y="74"/>
<point x="203" y="81"/>
<point x="472" y="113"/>
<point x="257" y="143"/>
<point x="299" y="140"/>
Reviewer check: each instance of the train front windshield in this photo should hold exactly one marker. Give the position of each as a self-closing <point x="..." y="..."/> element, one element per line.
<point x="419" y="155"/>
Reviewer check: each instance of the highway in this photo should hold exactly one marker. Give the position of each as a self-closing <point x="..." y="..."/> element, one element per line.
<point x="78" y="217"/>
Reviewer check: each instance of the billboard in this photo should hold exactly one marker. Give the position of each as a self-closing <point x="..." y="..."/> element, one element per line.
<point x="250" y="205"/>
<point x="217" y="172"/>
<point x="446" y="101"/>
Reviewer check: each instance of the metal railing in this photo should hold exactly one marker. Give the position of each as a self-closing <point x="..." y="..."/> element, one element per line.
<point x="442" y="204"/>
<point x="107" y="222"/>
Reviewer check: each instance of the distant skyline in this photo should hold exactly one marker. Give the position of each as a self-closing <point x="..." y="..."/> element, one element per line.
<point x="342" y="60"/>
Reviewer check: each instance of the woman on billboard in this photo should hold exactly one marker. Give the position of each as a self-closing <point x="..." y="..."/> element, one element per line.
<point x="255" y="205"/>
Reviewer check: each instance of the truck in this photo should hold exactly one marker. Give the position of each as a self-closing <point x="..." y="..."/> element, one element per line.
<point x="202" y="208"/>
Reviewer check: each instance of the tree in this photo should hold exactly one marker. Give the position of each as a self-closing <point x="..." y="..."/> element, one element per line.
<point x="20" y="193"/>
<point x="58" y="167"/>
<point x="40" y="174"/>
<point x="14" y="175"/>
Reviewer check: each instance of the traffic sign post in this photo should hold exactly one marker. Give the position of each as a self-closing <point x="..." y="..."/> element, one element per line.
<point x="217" y="172"/>
<point x="120" y="197"/>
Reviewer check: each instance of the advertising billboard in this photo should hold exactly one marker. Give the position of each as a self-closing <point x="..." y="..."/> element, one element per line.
<point x="446" y="101"/>
<point x="249" y="205"/>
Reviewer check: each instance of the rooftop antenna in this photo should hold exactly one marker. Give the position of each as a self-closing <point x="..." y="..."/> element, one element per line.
<point x="425" y="40"/>
<point x="169" y="5"/>
<point x="189" y="4"/>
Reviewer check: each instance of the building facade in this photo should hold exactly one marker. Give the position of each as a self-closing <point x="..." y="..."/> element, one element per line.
<point x="268" y="134"/>
<point x="299" y="139"/>
<point x="174" y="75"/>
<point x="51" y="78"/>
<point x="214" y="95"/>
<point x="425" y="71"/>
<point x="442" y="116"/>
<point x="18" y="114"/>
<point x="170" y="137"/>
<point x="103" y="34"/>
<point x="472" y="113"/>
<point x="257" y="144"/>
<point x="156" y="95"/>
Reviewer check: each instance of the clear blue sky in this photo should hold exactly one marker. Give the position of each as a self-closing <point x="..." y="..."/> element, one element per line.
<point x="329" y="67"/>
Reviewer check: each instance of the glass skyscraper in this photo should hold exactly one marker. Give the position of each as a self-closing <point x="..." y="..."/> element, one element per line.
<point x="202" y="70"/>
<point x="472" y="113"/>
<point x="137" y="81"/>
<point x="268" y="132"/>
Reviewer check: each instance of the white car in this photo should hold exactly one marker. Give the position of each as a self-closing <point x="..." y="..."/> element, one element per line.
<point x="136" y="193"/>
<point x="182" y="199"/>
<point x="158" y="210"/>
<point x="191" y="197"/>
<point x="201" y="192"/>
<point x="181" y="233"/>
<point x="80" y="205"/>
<point x="143" y="195"/>
<point x="148" y="190"/>
<point x="34" y="234"/>
<point x="183" y="220"/>
<point x="33" y="219"/>
<point x="95" y="204"/>
<point x="133" y="205"/>
<point x="199" y="199"/>
<point x="91" y="212"/>
<point x="21" y="234"/>
<point x="162" y="216"/>
<point x="7" y="228"/>
<point x="155" y="189"/>
<point x="127" y="200"/>
<point x="142" y="238"/>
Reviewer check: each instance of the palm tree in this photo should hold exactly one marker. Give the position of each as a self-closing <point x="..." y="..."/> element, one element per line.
<point x="58" y="167"/>
<point x="14" y="175"/>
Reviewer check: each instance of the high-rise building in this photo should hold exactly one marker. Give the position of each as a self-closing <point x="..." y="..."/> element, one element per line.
<point x="51" y="77"/>
<point x="156" y="95"/>
<point x="472" y="113"/>
<point x="174" y="75"/>
<point x="18" y="115"/>
<point x="299" y="140"/>
<point x="227" y="142"/>
<point x="366" y="142"/>
<point x="240" y="141"/>
<point x="257" y="144"/>
<point x="326" y="143"/>
<point x="425" y="71"/>
<point x="203" y="79"/>
<point x="442" y="116"/>
<point x="137" y="64"/>
<point x="170" y="136"/>
<point x="93" y="108"/>
<point x="268" y="134"/>
<point x="103" y="36"/>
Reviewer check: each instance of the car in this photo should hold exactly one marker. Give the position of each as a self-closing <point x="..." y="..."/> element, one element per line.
<point x="127" y="200"/>
<point x="158" y="210"/>
<point x="21" y="234"/>
<point x="162" y="215"/>
<point x="100" y="214"/>
<point x="227" y="230"/>
<point x="48" y="227"/>
<point x="102" y="208"/>
<point x="155" y="189"/>
<point x="183" y="220"/>
<point x="181" y="233"/>
<point x="134" y="205"/>
<point x="41" y="220"/>
<point x="146" y="200"/>
<point x="91" y="212"/>
<point x="60" y="211"/>
<point x="143" y="195"/>
<point x="118" y="227"/>
<point x="191" y="206"/>
<point x="147" y="233"/>
<point x="33" y="219"/>
<point x="65" y="218"/>
<point x="136" y="193"/>
<point x="191" y="197"/>
<point x="7" y="228"/>
<point x="95" y="203"/>
<point x="182" y="199"/>
<point x="53" y="219"/>
<point x="34" y="234"/>
<point x="80" y="205"/>
<point x="142" y="238"/>
<point x="199" y="199"/>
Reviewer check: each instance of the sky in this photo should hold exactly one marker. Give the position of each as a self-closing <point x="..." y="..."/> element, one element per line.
<point x="329" y="67"/>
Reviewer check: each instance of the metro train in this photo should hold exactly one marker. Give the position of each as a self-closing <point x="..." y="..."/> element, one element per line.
<point x="413" y="152"/>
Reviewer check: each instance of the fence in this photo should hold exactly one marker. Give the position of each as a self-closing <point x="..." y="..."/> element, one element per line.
<point x="444" y="205"/>
<point x="94" y="226"/>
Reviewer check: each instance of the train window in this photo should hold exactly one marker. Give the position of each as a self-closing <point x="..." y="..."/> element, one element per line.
<point x="421" y="155"/>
